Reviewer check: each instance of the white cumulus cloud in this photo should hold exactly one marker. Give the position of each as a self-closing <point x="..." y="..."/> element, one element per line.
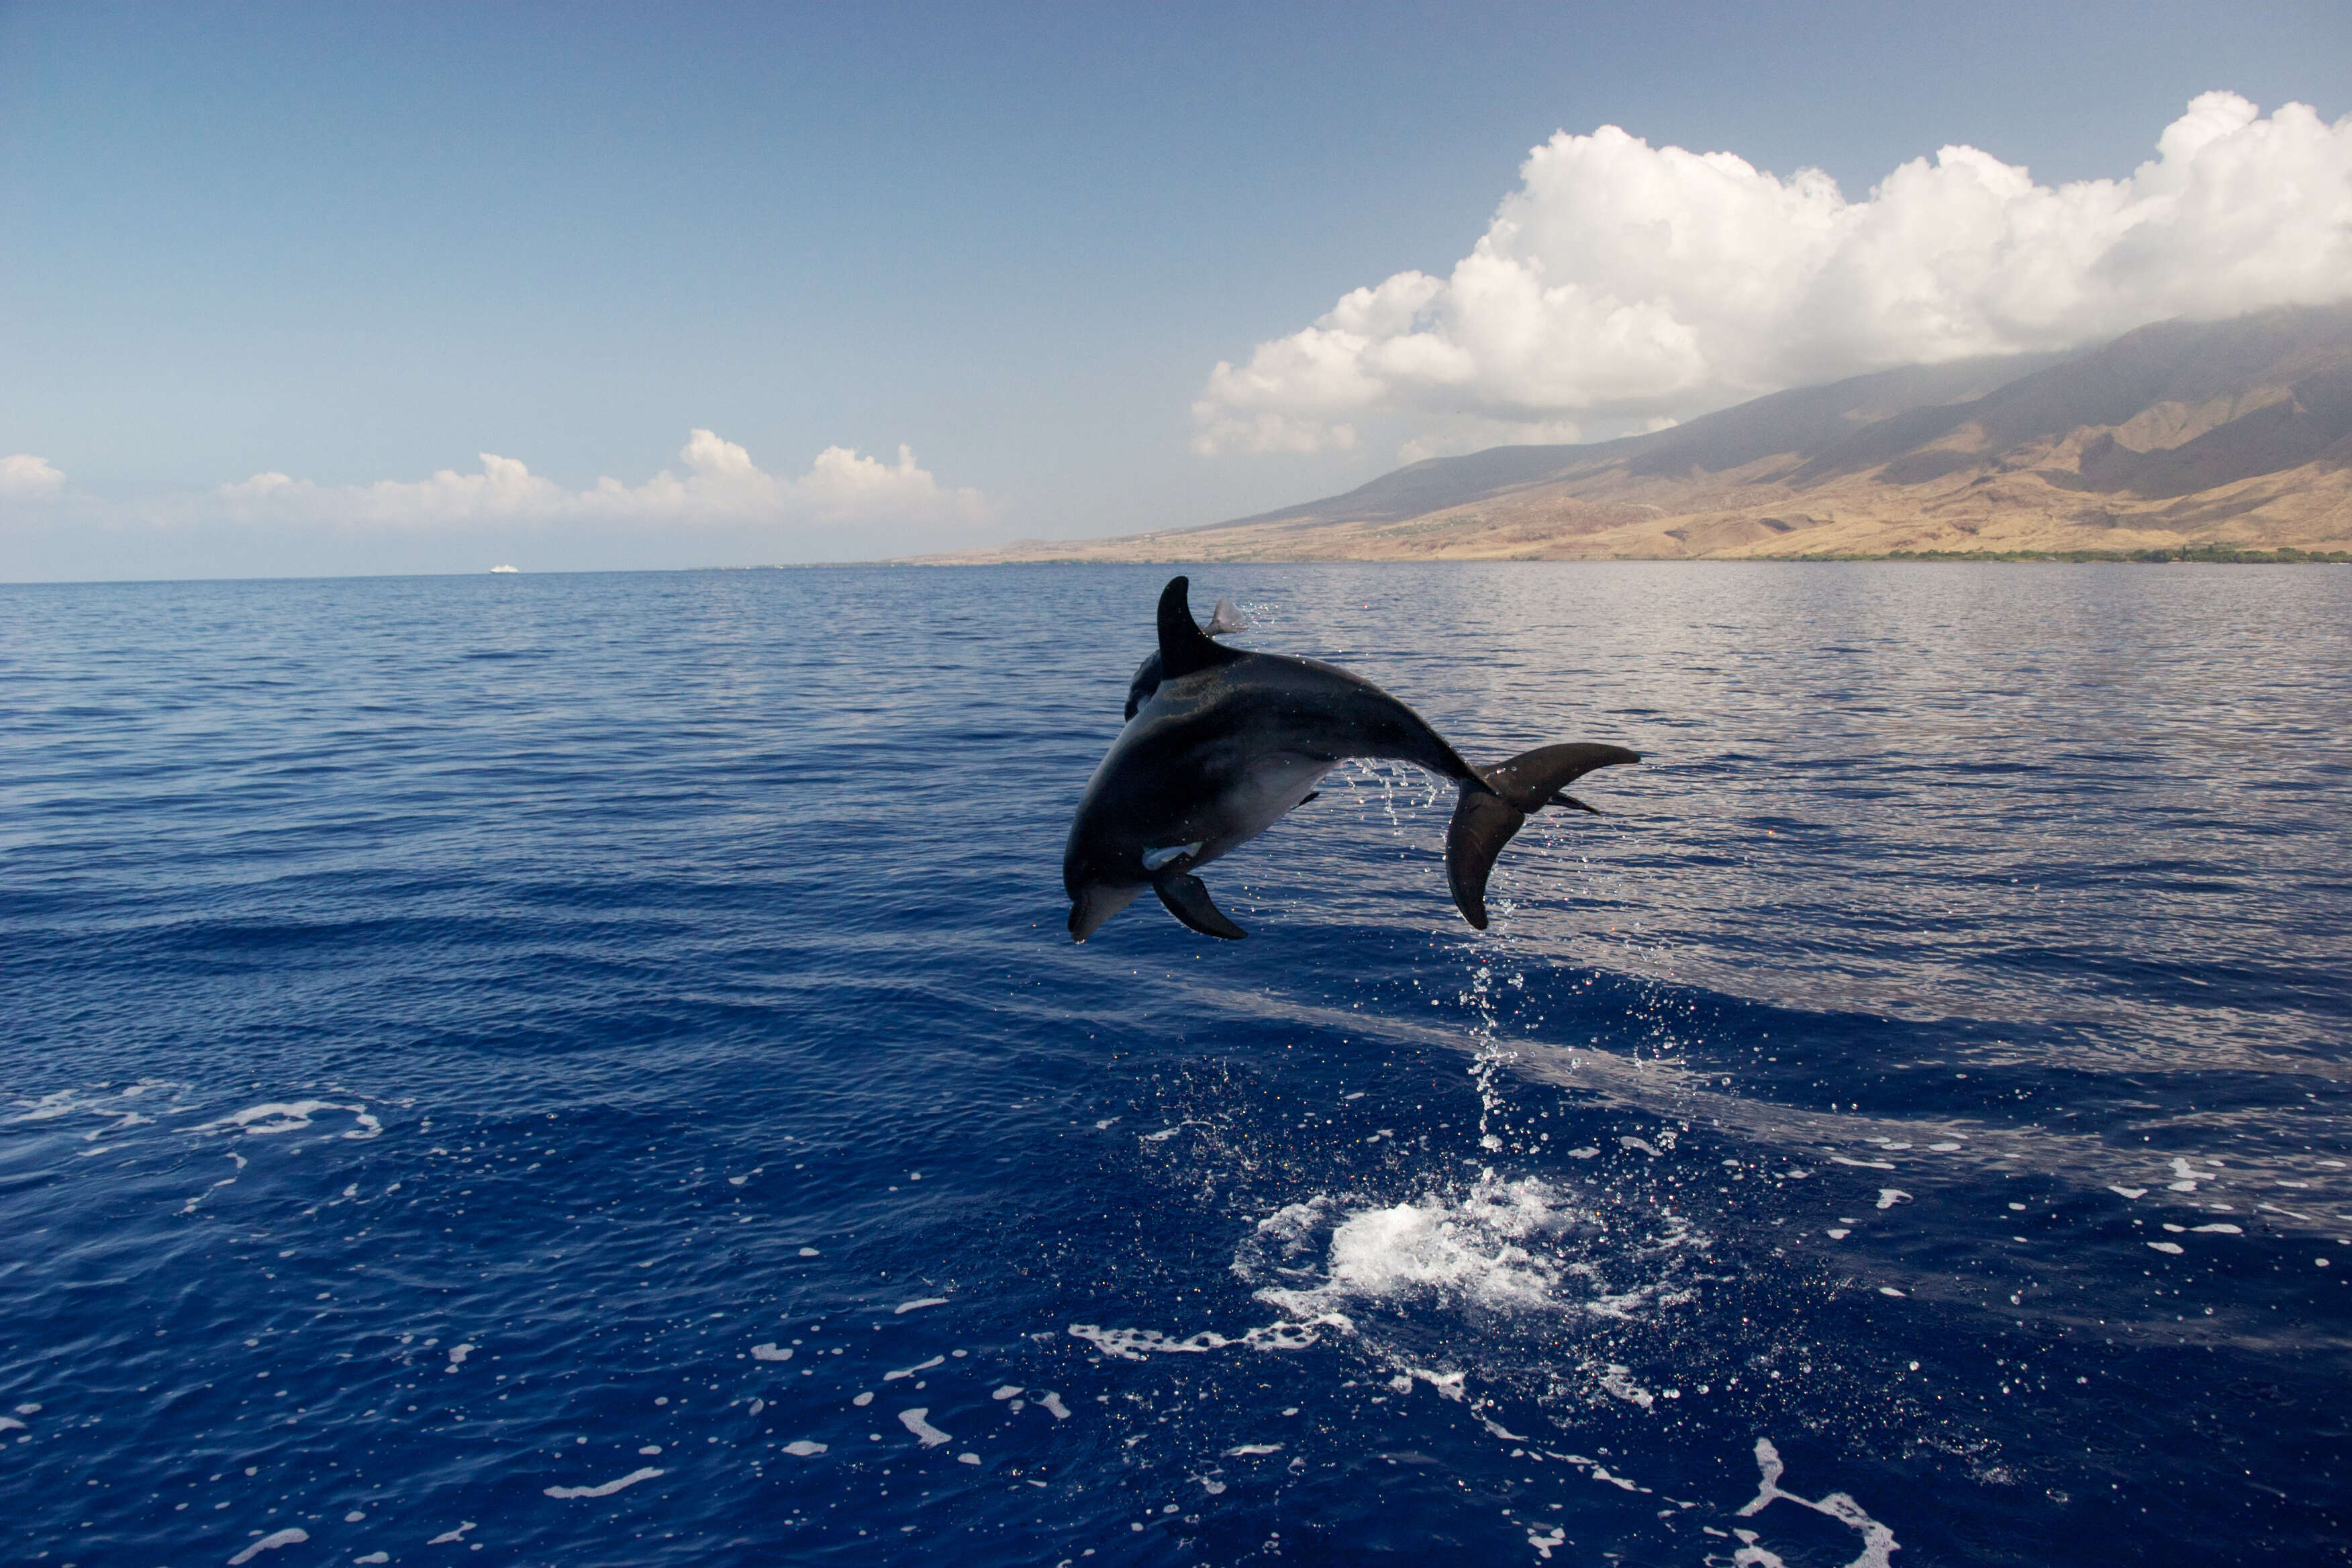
<point x="1623" y="282"/>
<point x="24" y="477"/>
<point x="719" y="484"/>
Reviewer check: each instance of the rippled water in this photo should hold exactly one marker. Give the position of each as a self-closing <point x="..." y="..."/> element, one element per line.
<point x="589" y="1069"/>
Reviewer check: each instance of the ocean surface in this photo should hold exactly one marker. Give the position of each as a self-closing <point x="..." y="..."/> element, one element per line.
<point x="590" y="1069"/>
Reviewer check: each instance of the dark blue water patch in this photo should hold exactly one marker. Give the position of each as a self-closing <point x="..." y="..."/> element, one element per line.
<point x="524" y="1102"/>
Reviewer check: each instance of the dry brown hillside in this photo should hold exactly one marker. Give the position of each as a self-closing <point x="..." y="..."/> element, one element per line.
<point x="2185" y="434"/>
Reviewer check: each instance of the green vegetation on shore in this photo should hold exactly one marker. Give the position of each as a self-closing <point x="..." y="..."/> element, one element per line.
<point x="2219" y="554"/>
<point x="2226" y="555"/>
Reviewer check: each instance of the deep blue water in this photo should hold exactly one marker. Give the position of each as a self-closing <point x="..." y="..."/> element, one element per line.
<point x="471" y="1040"/>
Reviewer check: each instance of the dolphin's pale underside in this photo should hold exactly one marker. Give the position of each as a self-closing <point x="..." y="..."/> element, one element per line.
<point x="1220" y="743"/>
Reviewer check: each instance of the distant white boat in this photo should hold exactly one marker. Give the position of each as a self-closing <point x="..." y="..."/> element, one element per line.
<point x="503" y="568"/>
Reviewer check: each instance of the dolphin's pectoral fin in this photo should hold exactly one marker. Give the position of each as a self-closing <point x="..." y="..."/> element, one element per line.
<point x="1487" y="819"/>
<point x="1187" y="898"/>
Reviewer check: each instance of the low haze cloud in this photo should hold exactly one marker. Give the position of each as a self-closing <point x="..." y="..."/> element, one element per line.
<point x="720" y="485"/>
<point x="715" y="507"/>
<point x="1632" y="285"/>
<point x="25" y="478"/>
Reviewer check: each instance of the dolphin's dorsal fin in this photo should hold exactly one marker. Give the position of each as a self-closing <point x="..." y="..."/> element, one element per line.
<point x="1184" y="648"/>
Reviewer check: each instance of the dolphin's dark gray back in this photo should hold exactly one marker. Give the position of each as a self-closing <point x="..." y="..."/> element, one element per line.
<point x="1269" y="701"/>
<point x="1258" y="702"/>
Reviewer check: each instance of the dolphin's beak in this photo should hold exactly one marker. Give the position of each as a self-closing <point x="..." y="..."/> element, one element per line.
<point x="1096" y="902"/>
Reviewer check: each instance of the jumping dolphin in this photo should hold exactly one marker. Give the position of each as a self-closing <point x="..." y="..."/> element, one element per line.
<point x="1221" y="742"/>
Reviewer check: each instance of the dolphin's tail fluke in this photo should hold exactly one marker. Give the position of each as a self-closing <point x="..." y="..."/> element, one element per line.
<point x="1487" y="819"/>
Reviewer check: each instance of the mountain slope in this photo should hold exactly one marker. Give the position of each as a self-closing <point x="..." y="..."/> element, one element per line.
<point x="2183" y="433"/>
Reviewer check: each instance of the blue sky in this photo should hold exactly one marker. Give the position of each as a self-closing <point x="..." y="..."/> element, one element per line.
<point x="334" y="246"/>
